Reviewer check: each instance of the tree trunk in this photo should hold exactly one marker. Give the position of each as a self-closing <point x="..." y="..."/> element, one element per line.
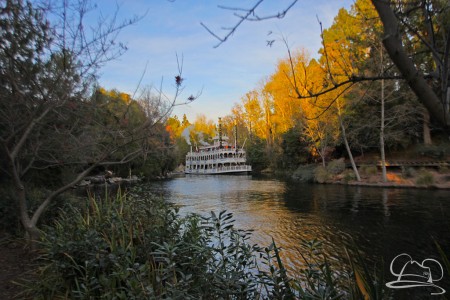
<point x="323" y="159"/>
<point x="382" y="153"/>
<point x="30" y="224"/>
<point x="347" y="146"/>
<point x="393" y="43"/>
<point x="426" y="128"/>
<point x="349" y="151"/>
<point x="447" y="101"/>
<point x="32" y="233"/>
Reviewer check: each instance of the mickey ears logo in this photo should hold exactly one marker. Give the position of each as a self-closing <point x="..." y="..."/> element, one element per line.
<point x="411" y="274"/>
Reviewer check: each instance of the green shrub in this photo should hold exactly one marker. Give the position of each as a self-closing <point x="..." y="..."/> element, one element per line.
<point x="369" y="170"/>
<point x="443" y="169"/>
<point x="349" y="175"/>
<point x="336" y="166"/>
<point x="257" y="155"/>
<point x="9" y="221"/>
<point x="408" y="172"/>
<point x="304" y="173"/>
<point x="433" y="151"/>
<point x="424" y="177"/>
<point x="321" y="174"/>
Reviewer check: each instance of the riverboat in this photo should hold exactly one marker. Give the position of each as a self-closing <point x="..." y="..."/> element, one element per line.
<point x="218" y="158"/>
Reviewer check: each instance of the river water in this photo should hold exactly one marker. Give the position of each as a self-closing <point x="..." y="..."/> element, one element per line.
<point x="382" y="222"/>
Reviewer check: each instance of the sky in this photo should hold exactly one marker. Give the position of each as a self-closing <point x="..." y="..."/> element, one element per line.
<point x="223" y="75"/>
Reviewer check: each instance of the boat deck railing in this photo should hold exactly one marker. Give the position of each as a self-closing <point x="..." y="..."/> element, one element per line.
<point x="223" y="150"/>
<point x="235" y="168"/>
<point x="217" y="161"/>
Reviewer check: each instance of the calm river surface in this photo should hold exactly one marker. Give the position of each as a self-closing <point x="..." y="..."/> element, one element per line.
<point x="383" y="222"/>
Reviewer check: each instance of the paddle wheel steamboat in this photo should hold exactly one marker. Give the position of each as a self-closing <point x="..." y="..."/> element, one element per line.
<point x="218" y="158"/>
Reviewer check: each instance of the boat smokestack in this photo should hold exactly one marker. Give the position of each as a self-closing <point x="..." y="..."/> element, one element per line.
<point x="220" y="133"/>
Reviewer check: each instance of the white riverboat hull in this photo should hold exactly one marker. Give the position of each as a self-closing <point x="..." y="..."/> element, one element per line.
<point x="245" y="169"/>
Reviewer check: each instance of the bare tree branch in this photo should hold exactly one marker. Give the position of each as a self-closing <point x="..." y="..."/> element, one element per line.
<point x="249" y="14"/>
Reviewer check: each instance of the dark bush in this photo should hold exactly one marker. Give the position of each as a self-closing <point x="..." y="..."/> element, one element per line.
<point x="336" y="166"/>
<point x="9" y="221"/>
<point x="304" y="173"/>
<point x="321" y="174"/>
<point x="424" y="177"/>
<point x="368" y="170"/>
<point x="434" y="151"/>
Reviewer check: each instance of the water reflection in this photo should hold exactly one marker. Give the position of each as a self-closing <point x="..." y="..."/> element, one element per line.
<point x="382" y="222"/>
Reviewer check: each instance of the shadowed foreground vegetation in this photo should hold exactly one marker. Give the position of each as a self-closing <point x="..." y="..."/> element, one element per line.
<point x="136" y="246"/>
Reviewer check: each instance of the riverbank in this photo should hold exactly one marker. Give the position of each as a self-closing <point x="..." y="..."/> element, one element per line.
<point x="338" y="172"/>
<point x="436" y="180"/>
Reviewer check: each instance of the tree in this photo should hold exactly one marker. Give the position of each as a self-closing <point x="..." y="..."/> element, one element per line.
<point x="344" y="50"/>
<point x="294" y="149"/>
<point x="253" y="113"/>
<point x="201" y="132"/>
<point x="256" y="154"/>
<point x="424" y="34"/>
<point x="286" y="106"/>
<point x="48" y="121"/>
<point x="185" y="122"/>
<point x="237" y="118"/>
<point x="173" y="126"/>
<point x="364" y="42"/>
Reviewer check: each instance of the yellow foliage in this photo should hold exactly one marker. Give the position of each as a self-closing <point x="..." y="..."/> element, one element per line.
<point x="294" y="94"/>
<point x="125" y="97"/>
